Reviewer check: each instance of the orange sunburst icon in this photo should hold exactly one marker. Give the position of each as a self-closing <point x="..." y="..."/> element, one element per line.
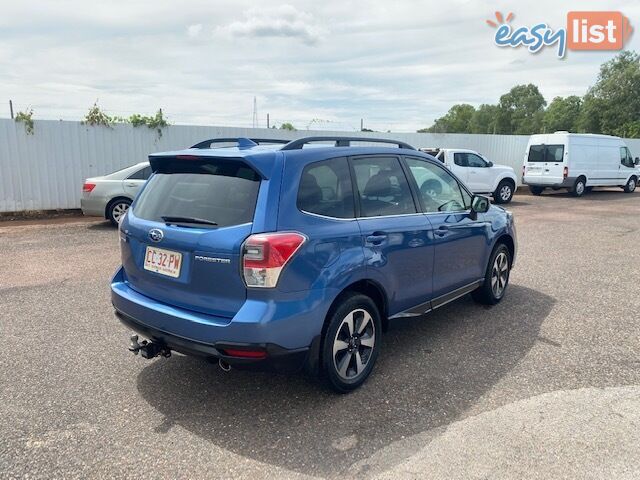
<point x="500" y="19"/>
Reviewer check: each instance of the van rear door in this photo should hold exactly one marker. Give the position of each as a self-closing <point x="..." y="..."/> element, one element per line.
<point x="183" y="236"/>
<point x="545" y="164"/>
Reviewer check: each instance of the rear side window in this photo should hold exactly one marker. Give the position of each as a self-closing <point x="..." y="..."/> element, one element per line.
<point x="142" y="174"/>
<point x="325" y="189"/>
<point x="546" y="153"/>
<point x="219" y="191"/>
<point x="382" y="187"/>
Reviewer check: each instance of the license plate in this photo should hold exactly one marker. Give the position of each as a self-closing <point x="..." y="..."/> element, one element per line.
<point x="164" y="262"/>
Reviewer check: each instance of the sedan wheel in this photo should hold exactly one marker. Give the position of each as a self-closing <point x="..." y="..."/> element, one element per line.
<point x="117" y="210"/>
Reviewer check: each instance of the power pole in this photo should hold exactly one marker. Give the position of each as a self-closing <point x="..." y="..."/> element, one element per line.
<point x="255" y="113"/>
<point x="11" y="108"/>
<point x="361" y="124"/>
<point x="268" y="125"/>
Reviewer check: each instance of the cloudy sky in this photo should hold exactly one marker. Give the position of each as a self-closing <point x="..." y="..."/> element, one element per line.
<point x="324" y="65"/>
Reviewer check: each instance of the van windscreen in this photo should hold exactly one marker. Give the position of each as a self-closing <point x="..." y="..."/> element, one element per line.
<point x="546" y="153"/>
<point x="220" y="191"/>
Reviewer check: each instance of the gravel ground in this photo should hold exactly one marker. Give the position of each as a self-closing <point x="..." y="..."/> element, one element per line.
<point x="544" y="385"/>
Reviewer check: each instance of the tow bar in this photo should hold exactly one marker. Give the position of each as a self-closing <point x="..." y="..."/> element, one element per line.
<point x="148" y="349"/>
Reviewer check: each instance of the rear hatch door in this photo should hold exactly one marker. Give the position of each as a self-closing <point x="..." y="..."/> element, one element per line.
<point x="185" y="231"/>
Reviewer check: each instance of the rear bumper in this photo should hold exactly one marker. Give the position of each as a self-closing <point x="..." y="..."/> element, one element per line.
<point x="286" y="329"/>
<point x="551" y="182"/>
<point x="92" y="207"/>
<point x="277" y="359"/>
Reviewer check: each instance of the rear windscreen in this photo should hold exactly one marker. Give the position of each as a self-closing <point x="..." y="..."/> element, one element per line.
<point x="546" y="153"/>
<point x="219" y="191"/>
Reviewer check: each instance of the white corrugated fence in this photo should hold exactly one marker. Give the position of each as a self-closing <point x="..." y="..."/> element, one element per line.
<point x="46" y="170"/>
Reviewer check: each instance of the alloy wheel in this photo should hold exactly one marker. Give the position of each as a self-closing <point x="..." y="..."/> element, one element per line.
<point x="499" y="274"/>
<point x="353" y="344"/>
<point x="505" y="193"/>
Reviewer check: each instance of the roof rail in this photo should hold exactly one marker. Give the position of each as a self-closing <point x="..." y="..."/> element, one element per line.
<point x="342" y="142"/>
<point x="241" y="141"/>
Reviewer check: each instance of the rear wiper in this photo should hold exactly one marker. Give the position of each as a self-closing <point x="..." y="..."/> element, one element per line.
<point x="197" y="221"/>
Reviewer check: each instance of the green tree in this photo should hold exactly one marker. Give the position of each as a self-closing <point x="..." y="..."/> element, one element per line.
<point x="615" y="98"/>
<point x="456" y="120"/>
<point x="287" y="126"/>
<point x="563" y="114"/>
<point x="484" y="119"/>
<point x="521" y="111"/>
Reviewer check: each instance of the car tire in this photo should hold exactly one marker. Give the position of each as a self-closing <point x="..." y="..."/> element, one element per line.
<point x="351" y="342"/>
<point x="631" y="185"/>
<point x="536" y="190"/>
<point x="117" y="209"/>
<point x="496" y="278"/>
<point x="579" y="187"/>
<point x="504" y="192"/>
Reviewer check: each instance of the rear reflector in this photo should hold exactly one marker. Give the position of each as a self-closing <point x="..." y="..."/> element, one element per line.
<point x="257" y="354"/>
<point x="88" y="187"/>
<point x="264" y="255"/>
<point x="565" y="172"/>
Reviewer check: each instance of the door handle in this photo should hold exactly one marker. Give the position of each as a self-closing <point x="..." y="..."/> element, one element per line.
<point x="131" y="184"/>
<point x="376" y="238"/>
<point x="441" y="231"/>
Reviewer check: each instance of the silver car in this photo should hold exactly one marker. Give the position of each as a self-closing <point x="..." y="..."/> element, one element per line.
<point x="111" y="195"/>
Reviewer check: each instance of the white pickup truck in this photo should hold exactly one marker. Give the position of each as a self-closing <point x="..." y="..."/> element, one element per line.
<point x="478" y="173"/>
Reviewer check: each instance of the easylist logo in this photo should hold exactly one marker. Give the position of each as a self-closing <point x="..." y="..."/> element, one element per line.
<point x="584" y="31"/>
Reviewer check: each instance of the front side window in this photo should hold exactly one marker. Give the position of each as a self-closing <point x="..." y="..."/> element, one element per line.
<point x="325" y="189"/>
<point x="382" y="187"/>
<point x="460" y="159"/>
<point x="439" y="191"/>
<point x="476" y="161"/>
<point x="215" y="190"/>
<point x="625" y="157"/>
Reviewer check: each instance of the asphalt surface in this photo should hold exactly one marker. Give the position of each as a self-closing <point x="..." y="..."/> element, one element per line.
<point x="544" y="385"/>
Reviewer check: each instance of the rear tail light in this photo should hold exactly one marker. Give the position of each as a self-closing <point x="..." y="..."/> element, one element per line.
<point x="88" y="187"/>
<point x="264" y="256"/>
<point x="565" y="172"/>
<point x="524" y="169"/>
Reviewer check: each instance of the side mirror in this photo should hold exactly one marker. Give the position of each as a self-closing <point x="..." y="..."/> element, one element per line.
<point x="637" y="162"/>
<point x="490" y="164"/>
<point x="479" y="204"/>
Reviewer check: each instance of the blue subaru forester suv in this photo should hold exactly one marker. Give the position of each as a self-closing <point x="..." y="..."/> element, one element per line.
<point x="291" y="256"/>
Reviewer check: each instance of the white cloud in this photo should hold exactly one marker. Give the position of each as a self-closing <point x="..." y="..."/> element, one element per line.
<point x="194" y="30"/>
<point x="283" y="21"/>
<point x="397" y="65"/>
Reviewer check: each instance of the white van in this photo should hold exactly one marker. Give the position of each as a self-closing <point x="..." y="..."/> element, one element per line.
<point x="578" y="162"/>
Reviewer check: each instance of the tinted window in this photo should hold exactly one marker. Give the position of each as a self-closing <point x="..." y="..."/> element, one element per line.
<point x="142" y="174"/>
<point x="325" y="189"/>
<point x="439" y="191"/>
<point x="546" y="153"/>
<point x="625" y="157"/>
<point x="460" y="159"/>
<point x="221" y="191"/>
<point x="382" y="187"/>
<point x="554" y="153"/>
<point x="474" y="160"/>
